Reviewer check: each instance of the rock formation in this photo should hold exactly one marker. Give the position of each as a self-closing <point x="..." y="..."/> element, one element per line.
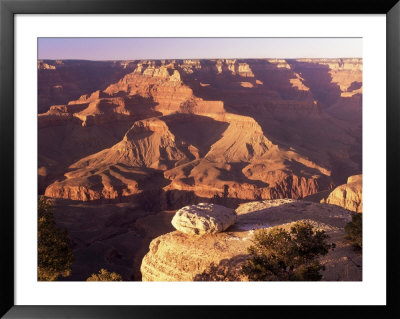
<point x="203" y="218"/>
<point x="62" y="81"/>
<point x="248" y="129"/>
<point x="348" y="195"/>
<point x="176" y="256"/>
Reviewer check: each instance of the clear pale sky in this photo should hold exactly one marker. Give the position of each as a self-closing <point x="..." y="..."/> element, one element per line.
<point x="184" y="48"/>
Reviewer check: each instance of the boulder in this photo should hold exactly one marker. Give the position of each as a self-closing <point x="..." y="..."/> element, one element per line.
<point x="203" y="218"/>
<point x="176" y="256"/>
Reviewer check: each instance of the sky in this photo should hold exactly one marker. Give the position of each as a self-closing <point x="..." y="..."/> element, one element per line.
<point x="192" y="48"/>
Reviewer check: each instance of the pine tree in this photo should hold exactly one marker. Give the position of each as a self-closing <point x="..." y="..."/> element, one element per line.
<point x="354" y="230"/>
<point x="105" y="275"/>
<point x="281" y="255"/>
<point x="54" y="251"/>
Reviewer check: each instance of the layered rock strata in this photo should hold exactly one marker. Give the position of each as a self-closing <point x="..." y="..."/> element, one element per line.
<point x="244" y="129"/>
<point x="60" y="81"/>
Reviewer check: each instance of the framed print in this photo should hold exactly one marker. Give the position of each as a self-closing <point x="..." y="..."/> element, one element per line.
<point x="167" y="160"/>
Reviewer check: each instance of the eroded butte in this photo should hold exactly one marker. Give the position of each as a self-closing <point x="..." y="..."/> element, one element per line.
<point x="243" y="129"/>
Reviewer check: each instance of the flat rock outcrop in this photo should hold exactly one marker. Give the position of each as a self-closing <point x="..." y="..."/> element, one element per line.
<point x="348" y="195"/>
<point x="203" y="218"/>
<point x="180" y="257"/>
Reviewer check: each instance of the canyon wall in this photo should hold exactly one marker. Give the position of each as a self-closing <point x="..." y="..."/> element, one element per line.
<point x="60" y="81"/>
<point x="239" y="129"/>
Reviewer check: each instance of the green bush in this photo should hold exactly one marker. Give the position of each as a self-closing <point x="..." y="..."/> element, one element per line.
<point x="54" y="251"/>
<point x="354" y="230"/>
<point x="105" y="275"/>
<point x="277" y="254"/>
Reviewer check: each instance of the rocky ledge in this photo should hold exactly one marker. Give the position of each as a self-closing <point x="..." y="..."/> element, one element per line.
<point x="177" y="256"/>
<point x="347" y="195"/>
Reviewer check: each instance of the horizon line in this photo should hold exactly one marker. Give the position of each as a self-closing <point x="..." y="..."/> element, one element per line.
<point x="228" y="58"/>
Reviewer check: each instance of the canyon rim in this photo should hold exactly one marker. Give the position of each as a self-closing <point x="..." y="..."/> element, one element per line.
<point x="164" y="169"/>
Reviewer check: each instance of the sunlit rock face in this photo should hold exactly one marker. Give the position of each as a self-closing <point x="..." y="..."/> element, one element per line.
<point x="348" y="195"/>
<point x="177" y="256"/>
<point x="238" y="129"/>
<point x="203" y="218"/>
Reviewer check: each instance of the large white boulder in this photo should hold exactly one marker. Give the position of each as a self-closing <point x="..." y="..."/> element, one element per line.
<point x="203" y="218"/>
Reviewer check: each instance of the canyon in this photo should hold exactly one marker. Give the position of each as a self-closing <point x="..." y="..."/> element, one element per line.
<point x="142" y="139"/>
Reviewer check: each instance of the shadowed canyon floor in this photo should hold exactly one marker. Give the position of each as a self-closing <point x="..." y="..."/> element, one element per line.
<point x="111" y="236"/>
<point x="123" y="144"/>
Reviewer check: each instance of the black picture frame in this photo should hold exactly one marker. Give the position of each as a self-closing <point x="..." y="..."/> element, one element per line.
<point x="8" y="8"/>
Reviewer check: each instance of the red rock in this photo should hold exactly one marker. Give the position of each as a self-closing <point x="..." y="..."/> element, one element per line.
<point x="194" y="122"/>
